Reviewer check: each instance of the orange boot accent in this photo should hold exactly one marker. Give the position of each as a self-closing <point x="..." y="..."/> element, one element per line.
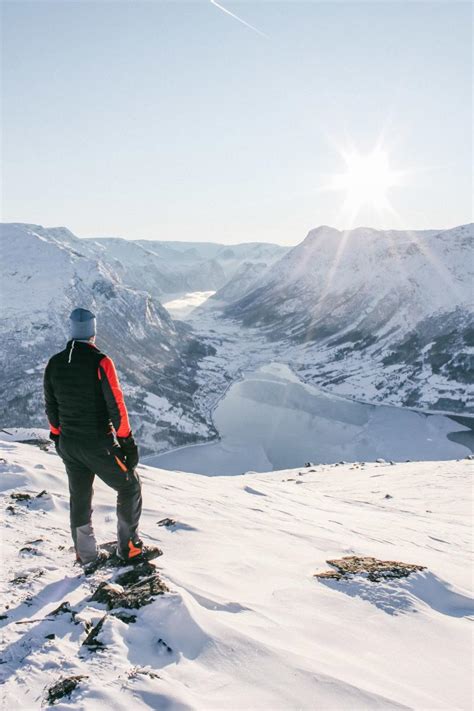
<point x="133" y="550"/>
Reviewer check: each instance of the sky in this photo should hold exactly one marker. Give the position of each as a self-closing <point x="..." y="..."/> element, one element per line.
<point x="176" y="121"/>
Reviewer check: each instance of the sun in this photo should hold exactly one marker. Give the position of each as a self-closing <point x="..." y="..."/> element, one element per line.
<point x="367" y="180"/>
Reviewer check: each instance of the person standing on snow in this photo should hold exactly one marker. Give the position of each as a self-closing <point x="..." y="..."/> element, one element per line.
<point x="91" y="431"/>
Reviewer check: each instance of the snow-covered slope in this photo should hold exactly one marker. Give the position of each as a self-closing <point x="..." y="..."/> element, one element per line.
<point x="383" y="316"/>
<point x="245" y="624"/>
<point x="246" y="277"/>
<point x="44" y="275"/>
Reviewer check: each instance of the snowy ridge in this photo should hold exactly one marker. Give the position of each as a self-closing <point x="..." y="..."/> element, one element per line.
<point x="248" y="625"/>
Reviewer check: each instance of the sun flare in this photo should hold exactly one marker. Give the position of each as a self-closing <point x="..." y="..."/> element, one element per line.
<point x="366" y="180"/>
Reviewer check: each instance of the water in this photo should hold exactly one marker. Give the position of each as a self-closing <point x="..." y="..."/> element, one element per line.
<point x="271" y="420"/>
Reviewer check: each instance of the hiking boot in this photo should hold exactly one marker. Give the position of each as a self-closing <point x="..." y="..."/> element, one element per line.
<point x="93" y="565"/>
<point x="133" y="553"/>
<point x="138" y="553"/>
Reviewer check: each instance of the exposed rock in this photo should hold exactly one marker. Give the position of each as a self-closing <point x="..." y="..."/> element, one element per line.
<point x="167" y="522"/>
<point x="64" y="608"/>
<point x="29" y="549"/>
<point x="133" y="589"/>
<point x="63" y="687"/>
<point x="92" y="640"/>
<point x="162" y="643"/>
<point x="125" y="617"/>
<point x="375" y="569"/>
<point x="388" y="496"/>
<point x="19" y="580"/>
<point x="136" y="671"/>
<point x="380" y="460"/>
<point x="20" y="496"/>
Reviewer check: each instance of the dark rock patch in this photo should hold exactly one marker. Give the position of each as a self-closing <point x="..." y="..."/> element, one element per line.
<point x="20" y="496"/>
<point x="92" y="640"/>
<point x="132" y="589"/>
<point x="135" y="575"/>
<point x="374" y="569"/>
<point x="63" y="609"/>
<point x="63" y="687"/>
<point x="167" y="522"/>
<point x="125" y="617"/>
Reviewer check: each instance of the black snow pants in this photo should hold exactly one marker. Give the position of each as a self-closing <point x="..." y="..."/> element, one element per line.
<point x="104" y="458"/>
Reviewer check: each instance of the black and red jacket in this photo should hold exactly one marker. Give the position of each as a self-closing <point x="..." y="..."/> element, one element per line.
<point x="83" y="395"/>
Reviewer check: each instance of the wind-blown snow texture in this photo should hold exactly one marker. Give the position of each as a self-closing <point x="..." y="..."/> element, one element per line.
<point x="249" y="625"/>
<point x="379" y="316"/>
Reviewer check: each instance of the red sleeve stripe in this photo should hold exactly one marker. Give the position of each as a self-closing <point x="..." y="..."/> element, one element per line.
<point x="55" y="430"/>
<point x="122" y="428"/>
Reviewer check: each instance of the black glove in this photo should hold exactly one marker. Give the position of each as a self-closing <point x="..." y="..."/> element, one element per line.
<point x="54" y="438"/>
<point x="130" y="451"/>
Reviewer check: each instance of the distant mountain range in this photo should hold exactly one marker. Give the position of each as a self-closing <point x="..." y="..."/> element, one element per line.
<point x="380" y="315"/>
<point x="377" y="316"/>
<point x="46" y="272"/>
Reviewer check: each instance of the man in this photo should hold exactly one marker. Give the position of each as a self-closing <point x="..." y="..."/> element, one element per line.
<point x="90" y="428"/>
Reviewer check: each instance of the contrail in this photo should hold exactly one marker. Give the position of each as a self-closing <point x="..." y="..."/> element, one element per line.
<point x="228" y="12"/>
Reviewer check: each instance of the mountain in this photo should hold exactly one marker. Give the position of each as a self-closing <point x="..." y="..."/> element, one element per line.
<point x="377" y="315"/>
<point x="243" y="280"/>
<point x="45" y="273"/>
<point x="240" y="620"/>
<point x="159" y="269"/>
<point x="229" y="258"/>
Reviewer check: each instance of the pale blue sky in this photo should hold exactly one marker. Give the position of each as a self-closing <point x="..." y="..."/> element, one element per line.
<point x="171" y="120"/>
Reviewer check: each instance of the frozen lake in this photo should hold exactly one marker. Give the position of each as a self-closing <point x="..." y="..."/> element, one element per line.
<point x="271" y="420"/>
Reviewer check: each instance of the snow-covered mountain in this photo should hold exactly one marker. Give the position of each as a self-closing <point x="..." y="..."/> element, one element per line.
<point x="243" y="280"/>
<point x="378" y="315"/>
<point x="240" y="621"/>
<point x="159" y="269"/>
<point x="44" y="275"/>
<point x="229" y="258"/>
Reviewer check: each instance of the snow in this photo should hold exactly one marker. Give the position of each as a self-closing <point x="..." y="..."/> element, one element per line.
<point x="249" y="625"/>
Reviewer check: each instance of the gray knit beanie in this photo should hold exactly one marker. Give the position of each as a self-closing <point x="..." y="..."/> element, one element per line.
<point x="82" y="324"/>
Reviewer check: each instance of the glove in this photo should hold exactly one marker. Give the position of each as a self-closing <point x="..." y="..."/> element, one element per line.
<point x="130" y="451"/>
<point x="54" y="438"/>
